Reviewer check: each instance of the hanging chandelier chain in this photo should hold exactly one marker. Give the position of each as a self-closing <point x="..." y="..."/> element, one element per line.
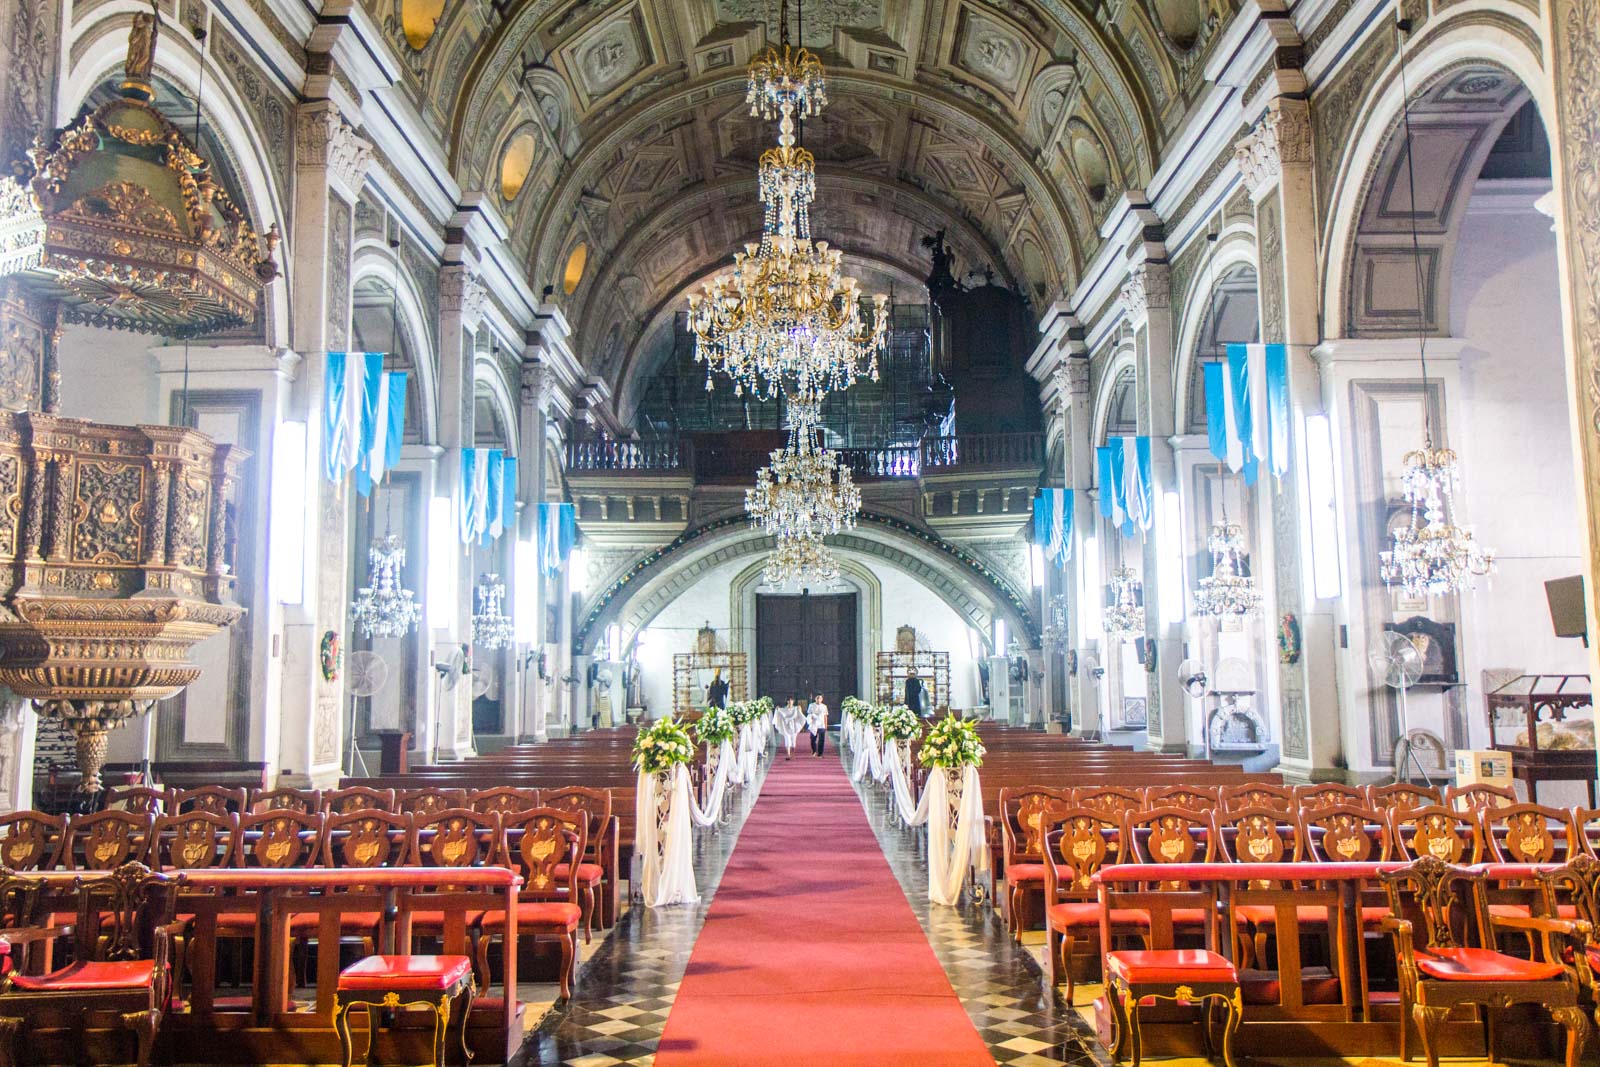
<point x="1403" y="31"/>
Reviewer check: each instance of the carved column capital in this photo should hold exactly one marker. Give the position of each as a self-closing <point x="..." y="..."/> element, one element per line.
<point x="1282" y="138"/>
<point x="461" y="293"/>
<point x="538" y="384"/>
<point x="323" y="140"/>
<point x="1146" y="287"/>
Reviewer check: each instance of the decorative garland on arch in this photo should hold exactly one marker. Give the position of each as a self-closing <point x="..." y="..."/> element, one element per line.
<point x="975" y="566"/>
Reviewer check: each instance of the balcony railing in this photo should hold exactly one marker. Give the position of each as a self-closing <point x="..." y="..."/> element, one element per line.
<point x="954" y="454"/>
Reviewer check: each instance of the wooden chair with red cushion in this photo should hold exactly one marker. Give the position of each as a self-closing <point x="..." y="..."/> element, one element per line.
<point x="106" y="840"/>
<point x="285" y="799"/>
<point x="1258" y="795"/>
<point x="1435" y="926"/>
<point x="1402" y="796"/>
<point x="595" y="868"/>
<point x="1193" y="797"/>
<point x="1479" y="796"/>
<point x="31" y="840"/>
<point x="217" y="799"/>
<point x="1077" y="843"/>
<point x="454" y="837"/>
<point x="1262" y="835"/>
<point x="366" y="839"/>
<point x="1023" y="813"/>
<point x="1443" y="833"/>
<point x="1572" y="891"/>
<point x="504" y="799"/>
<point x="1139" y="979"/>
<point x="357" y="798"/>
<point x="388" y="982"/>
<point x="1329" y="794"/>
<point x="1165" y="836"/>
<point x="1349" y="833"/>
<point x="544" y="845"/>
<point x="276" y="840"/>
<point x="121" y="944"/>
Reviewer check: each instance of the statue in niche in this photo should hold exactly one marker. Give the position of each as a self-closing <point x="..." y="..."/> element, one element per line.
<point x="940" y="276"/>
<point x="142" y="48"/>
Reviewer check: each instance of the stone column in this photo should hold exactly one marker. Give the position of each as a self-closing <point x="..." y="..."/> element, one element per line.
<point x="1052" y="694"/>
<point x="1073" y="383"/>
<point x="1147" y="299"/>
<point x="331" y="163"/>
<point x="1572" y="38"/>
<point x="538" y="385"/>
<point x="1275" y="158"/>
<point x="461" y="299"/>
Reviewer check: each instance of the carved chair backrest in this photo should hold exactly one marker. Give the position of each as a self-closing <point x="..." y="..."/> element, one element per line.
<point x="19" y="900"/>
<point x="280" y="839"/>
<point x="1080" y="841"/>
<point x="1426" y="892"/>
<point x="365" y="839"/>
<point x="456" y="837"/>
<point x="1586" y="827"/>
<point x="137" y="798"/>
<point x="1026" y="810"/>
<point x="1403" y="796"/>
<point x="427" y="801"/>
<point x="535" y="843"/>
<point x="594" y="803"/>
<point x="31" y="840"/>
<point x="1346" y="833"/>
<point x="1527" y="833"/>
<point x="192" y="841"/>
<point x="357" y="798"/>
<point x="1192" y="797"/>
<point x="217" y="799"/>
<point x="1443" y="833"/>
<point x="119" y="912"/>
<point x="1109" y="798"/>
<point x="1258" y="795"/>
<point x="1328" y="794"/>
<point x="286" y="799"/>
<point x="106" y="840"/>
<point x="1259" y="835"/>
<point x="503" y="799"/>
<point x="1576" y="882"/>
<point x="1478" y="797"/>
<point x="1170" y="835"/>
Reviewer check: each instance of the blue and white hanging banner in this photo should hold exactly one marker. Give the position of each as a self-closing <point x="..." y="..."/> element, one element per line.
<point x="364" y="415"/>
<point x="486" y="499"/>
<point x="558" y="532"/>
<point x="1127" y="489"/>
<point x="1247" y="409"/>
<point x="1052" y="525"/>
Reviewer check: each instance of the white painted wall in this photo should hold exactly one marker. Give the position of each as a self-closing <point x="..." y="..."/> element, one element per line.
<point x="109" y="376"/>
<point x="907" y="602"/>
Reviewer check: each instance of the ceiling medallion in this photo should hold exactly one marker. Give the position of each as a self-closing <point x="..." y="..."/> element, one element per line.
<point x="1227" y="591"/>
<point x="119" y="220"/>
<point x="1430" y="555"/>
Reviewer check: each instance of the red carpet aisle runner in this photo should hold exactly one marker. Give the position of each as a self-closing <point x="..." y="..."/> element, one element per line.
<point x="810" y="953"/>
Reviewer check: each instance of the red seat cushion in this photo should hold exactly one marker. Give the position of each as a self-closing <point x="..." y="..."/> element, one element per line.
<point x="1593" y="952"/>
<point x="432" y="919"/>
<point x="1317" y="986"/>
<point x="1483" y="965"/>
<point x="1025" y="872"/>
<point x="1160" y="966"/>
<point x="1372" y="915"/>
<point x="1188" y="916"/>
<point x="405" y="972"/>
<point x="1267" y="915"/>
<point x="1076" y="916"/>
<point x="588" y="873"/>
<point x="549" y="914"/>
<point x="1509" y="911"/>
<point x="90" y="977"/>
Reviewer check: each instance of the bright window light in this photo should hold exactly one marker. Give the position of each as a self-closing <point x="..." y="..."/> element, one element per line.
<point x="525" y="596"/>
<point x="1172" y="552"/>
<point x="443" y="548"/>
<point x="999" y="636"/>
<point x="1322" y="504"/>
<point x="1093" y="596"/>
<point x="287" y="562"/>
<point x="578" y="570"/>
<point x="1036" y="565"/>
<point x="614" y="643"/>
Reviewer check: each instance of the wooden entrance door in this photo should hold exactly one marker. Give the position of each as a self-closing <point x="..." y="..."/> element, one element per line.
<point x="807" y="645"/>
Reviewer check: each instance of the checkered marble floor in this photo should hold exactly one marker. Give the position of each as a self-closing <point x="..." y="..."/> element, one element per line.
<point x="999" y="982"/>
<point x="625" y="988"/>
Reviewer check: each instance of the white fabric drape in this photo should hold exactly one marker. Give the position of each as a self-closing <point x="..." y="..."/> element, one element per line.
<point x="730" y="758"/>
<point x="913" y="812"/>
<point x="712" y="811"/>
<point x="951" y="851"/>
<point x="666" y="852"/>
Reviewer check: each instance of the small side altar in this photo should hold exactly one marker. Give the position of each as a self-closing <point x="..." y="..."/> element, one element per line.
<point x="1516" y="711"/>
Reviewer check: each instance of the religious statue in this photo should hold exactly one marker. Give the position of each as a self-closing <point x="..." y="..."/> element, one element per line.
<point x="914" y="692"/>
<point x="940" y="276"/>
<point x="142" y="50"/>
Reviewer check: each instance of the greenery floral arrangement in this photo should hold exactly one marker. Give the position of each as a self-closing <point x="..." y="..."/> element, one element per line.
<point x="899" y="724"/>
<point x="765" y="705"/>
<point x="952" y="743"/>
<point x="662" y="745"/>
<point x="743" y="713"/>
<point x="855" y="706"/>
<point x="715" y="727"/>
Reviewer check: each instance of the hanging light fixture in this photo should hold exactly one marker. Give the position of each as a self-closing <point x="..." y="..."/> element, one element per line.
<point x="491" y="626"/>
<point x="1054" y="634"/>
<point x="384" y="607"/>
<point x="1431" y="555"/>
<point x="1227" y="591"/>
<point x="805" y="493"/>
<point x="1124" y="615"/>
<point x="800" y="560"/>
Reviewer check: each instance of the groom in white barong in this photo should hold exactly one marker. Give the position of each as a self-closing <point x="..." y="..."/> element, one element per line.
<point x="817" y="723"/>
<point x="791" y="720"/>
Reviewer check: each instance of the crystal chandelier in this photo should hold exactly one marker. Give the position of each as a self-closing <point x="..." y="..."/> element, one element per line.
<point x="1227" y="591"/>
<point x="1124" y="616"/>
<point x="1054" y="634"/>
<point x="383" y="607"/>
<point x="491" y="626"/>
<point x="805" y="493"/>
<point x="1432" y="556"/>
<point x="800" y="559"/>
<point x="790" y="77"/>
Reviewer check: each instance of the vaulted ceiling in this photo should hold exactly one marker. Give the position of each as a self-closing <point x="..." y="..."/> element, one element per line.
<point x="620" y="126"/>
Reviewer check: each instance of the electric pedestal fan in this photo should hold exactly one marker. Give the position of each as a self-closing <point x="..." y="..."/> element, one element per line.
<point x="368" y="675"/>
<point x="1396" y="659"/>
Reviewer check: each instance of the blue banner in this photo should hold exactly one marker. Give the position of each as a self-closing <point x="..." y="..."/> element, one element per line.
<point x="1052" y="525"/>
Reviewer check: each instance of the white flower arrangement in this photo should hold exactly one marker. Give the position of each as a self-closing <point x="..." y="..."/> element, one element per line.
<point x="952" y="743"/>
<point x="715" y="727"/>
<point x="899" y="724"/>
<point x="764" y="705"/>
<point x="744" y="713"/>
<point x="855" y="706"/>
<point x="661" y="746"/>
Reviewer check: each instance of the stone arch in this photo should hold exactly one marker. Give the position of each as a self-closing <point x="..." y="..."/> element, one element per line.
<point x="1235" y="253"/>
<point x="1500" y="36"/>
<point x="971" y="588"/>
<point x="1120" y="365"/>
<point x="488" y="377"/>
<point x="741" y="605"/>
<point x="373" y="260"/>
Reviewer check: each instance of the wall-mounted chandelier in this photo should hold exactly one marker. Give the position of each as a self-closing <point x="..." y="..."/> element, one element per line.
<point x="384" y="607"/>
<point x="1124" y="615"/>
<point x="491" y="626"/>
<point x="1227" y="591"/>
<point x="1431" y="555"/>
<point x="800" y="560"/>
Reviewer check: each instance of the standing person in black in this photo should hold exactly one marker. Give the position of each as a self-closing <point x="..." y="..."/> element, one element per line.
<point x="914" y="692"/>
<point x="717" y="691"/>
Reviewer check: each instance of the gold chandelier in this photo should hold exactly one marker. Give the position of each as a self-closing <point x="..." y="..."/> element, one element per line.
<point x="1431" y="555"/>
<point x="805" y="493"/>
<point x="787" y="321"/>
<point x="800" y="559"/>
